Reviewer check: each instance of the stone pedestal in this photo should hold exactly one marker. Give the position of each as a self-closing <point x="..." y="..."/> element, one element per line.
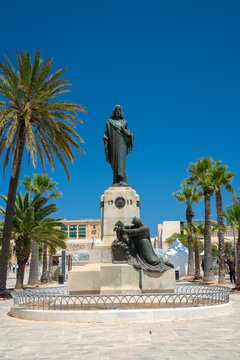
<point x="118" y="279"/>
<point x="104" y="279"/>
<point x="154" y="282"/>
<point x="84" y="279"/>
<point x="117" y="203"/>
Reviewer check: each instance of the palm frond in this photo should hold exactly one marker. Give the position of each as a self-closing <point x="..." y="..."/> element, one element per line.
<point x="49" y="124"/>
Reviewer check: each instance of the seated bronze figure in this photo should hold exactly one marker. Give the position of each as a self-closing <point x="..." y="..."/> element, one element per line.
<point x="133" y="245"/>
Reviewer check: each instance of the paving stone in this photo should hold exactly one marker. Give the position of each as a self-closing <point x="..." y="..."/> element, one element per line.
<point x="210" y="338"/>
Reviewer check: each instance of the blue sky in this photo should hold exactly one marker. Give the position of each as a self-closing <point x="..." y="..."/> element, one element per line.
<point x="173" y="66"/>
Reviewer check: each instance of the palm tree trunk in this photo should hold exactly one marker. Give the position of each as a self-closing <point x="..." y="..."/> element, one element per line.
<point x="237" y="287"/>
<point x="17" y="159"/>
<point x="189" y="216"/>
<point x="190" y="257"/>
<point x="221" y="274"/>
<point x="20" y="275"/>
<point x="197" y="262"/>
<point x="33" y="274"/>
<point x="44" y="268"/>
<point x="50" y="266"/>
<point x="208" y="263"/>
<point x="22" y="253"/>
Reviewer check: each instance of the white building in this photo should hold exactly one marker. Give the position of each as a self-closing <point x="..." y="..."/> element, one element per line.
<point x="168" y="228"/>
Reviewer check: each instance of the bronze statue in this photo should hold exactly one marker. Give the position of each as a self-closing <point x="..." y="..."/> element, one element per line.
<point x="139" y="251"/>
<point x="118" y="143"/>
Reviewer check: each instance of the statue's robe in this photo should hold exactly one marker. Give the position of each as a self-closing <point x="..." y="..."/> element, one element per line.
<point x="142" y="255"/>
<point x="120" y="142"/>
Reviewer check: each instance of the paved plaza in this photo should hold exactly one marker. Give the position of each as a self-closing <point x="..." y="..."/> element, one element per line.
<point x="211" y="338"/>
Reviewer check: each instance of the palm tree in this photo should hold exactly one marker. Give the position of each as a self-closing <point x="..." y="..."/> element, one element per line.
<point x="201" y="175"/>
<point x="29" y="115"/>
<point x="189" y="195"/>
<point x="45" y="186"/>
<point x="232" y="214"/>
<point x="221" y="178"/>
<point x="33" y="278"/>
<point x="50" y="263"/>
<point x="42" y="184"/>
<point x="31" y="221"/>
<point x="198" y="230"/>
<point x="44" y="277"/>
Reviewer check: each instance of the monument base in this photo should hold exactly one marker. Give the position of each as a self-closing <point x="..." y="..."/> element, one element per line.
<point x="155" y="282"/>
<point x="100" y="254"/>
<point x="109" y="278"/>
<point x="117" y="203"/>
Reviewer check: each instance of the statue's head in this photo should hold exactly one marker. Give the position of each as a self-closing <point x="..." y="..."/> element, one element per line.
<point x="117" y="113"/>
<point x="119" y="225"/>
<point x="137" y="222"/>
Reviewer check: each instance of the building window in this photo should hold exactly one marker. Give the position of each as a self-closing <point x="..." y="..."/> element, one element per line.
<point x="94" y="232"/>
<point x="94" y="227"/>
<point x="65" y="228"/>
<point x="82" y="231"/>
<point x="73" y="227"/>
<point x="73" y="234"/>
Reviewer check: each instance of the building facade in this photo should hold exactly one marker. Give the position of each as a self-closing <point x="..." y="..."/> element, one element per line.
<point x="81" y="234"/>
<point x="168" y="228"/>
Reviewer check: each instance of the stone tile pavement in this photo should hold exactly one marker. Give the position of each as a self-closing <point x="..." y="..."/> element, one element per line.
<point x="211" y="338"/>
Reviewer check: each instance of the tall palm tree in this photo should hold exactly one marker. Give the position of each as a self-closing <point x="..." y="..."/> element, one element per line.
<point x="201" y="175"/>
<point x="221" y="178"/>
<point x="194" y="232"/>
<point x="232" y="214"/>
<point x="189" y="195"/>
<point x="45" y="186"/>
<point x="31" y="221"/>
<point x="30" y="115"/>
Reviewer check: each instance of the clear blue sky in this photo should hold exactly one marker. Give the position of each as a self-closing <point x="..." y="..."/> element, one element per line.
<point x="174" y="66"/>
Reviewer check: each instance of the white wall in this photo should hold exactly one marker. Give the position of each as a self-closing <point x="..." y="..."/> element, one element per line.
<point x="166" y="229"/>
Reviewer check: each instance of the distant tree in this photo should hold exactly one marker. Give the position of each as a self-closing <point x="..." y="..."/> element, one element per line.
<point x="221" y="178"/>
<point x="42" y="184"/>
<point x="232" y="214"/>
<point x="202" y="176"/>
<point x="171" y="239"/>
<point x="214" y="251"/>
<point x="189" y="195"/>
<point x="45" y="186"/>
<point x="229" y="249"/>
<point x="201" y="246"/>
<point x="197" y="232"/>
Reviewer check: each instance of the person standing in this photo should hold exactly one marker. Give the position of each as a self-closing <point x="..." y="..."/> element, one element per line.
<point x="232" y="270"/>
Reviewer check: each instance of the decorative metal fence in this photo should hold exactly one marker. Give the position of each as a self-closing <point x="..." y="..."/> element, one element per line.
<point x="58" y="298"/>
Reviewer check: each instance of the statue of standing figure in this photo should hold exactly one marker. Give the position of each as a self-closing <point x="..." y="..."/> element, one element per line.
<point x="118" y="143"/>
